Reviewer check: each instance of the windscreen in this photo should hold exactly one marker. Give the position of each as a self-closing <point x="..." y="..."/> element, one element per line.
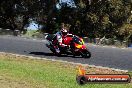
<point x="77" y="40"/>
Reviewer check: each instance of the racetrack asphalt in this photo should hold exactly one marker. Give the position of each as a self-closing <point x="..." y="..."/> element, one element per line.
<point x="101" y="56"/>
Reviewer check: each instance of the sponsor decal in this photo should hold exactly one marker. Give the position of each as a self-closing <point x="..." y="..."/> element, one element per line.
<point x="83" y="78"/>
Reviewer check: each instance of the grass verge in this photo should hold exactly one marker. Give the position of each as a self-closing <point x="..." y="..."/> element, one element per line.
<point x="24" y="72"/>
<point x="30" y="33"/>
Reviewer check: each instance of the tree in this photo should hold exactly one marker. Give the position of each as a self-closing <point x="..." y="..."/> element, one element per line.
<point x="92" y="18"/>
<point x="16" y="14"/>
<point x="103" y="17"/>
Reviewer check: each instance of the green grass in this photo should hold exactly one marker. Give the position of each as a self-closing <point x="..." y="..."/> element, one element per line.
<point x="44" y="74"/>
<point x="130" y="73"/>
<point x="33" y="34"/>
<point x="29" y="33"/>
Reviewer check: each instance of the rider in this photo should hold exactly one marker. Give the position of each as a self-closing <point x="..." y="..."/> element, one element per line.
<point x="60" y="35"/>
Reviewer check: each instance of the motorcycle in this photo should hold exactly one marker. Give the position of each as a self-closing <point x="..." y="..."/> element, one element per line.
<point x="52" y="43"/>
<point x="75" y="46"/>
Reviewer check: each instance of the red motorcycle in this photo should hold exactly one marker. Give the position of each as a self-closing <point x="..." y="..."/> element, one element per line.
<point x="75" y="46"/>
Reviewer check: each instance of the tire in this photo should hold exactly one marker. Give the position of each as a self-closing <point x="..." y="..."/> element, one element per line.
<point x="86" y="54"/>
<point x="53" y="51"/>
<point x="58" y="54"/>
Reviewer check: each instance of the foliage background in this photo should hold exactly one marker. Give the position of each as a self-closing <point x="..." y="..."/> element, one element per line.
<point x="92" y="18"/>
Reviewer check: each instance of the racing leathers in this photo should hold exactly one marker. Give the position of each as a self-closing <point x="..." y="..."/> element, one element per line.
<point x="59" y="38"/>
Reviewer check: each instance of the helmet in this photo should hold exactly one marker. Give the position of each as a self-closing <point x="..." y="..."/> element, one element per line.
<point x="64" y="32"/>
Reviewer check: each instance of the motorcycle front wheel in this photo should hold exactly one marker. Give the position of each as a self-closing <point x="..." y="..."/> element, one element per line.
<point x="86" y="54"/>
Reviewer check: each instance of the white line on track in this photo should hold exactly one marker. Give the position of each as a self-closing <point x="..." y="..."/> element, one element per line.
<point x="123" y="48"/>
<point x="113" y="47"/>
<point x="34" y="39"/>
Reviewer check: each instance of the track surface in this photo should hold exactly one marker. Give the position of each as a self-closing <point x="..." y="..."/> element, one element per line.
<point x="101" y="56"/>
